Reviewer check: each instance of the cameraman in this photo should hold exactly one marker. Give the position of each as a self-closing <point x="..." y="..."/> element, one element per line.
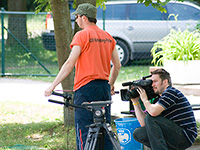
<point x="170" y="122"/>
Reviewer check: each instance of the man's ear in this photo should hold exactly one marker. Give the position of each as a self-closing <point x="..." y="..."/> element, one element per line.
<point x="84" y="17"/>
<point x="165" y="82"/>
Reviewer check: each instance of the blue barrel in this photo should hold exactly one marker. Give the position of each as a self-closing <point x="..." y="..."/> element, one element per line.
<point x="125" y="128"/>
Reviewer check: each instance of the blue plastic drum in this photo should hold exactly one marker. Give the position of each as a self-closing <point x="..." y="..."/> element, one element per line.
<point x="125" y="128"/>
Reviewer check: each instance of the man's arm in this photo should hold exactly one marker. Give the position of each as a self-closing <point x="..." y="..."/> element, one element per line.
<point x="153" y="109"/>
<point x="115" y="69"/>
<point x="65" y="69"/>
<point x="138" y="111"/>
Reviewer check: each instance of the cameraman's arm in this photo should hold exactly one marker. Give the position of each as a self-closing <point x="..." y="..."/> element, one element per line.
<point x="153" y="109"/>
<point x="138" y="111"/>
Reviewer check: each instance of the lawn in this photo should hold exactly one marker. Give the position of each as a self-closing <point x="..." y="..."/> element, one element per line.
<point x="34" y="126"/>
<point x="128" y="73"/>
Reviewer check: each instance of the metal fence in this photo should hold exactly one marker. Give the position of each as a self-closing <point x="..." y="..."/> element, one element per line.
<point x="22" y="50"/>
<point x="28" y="49"/>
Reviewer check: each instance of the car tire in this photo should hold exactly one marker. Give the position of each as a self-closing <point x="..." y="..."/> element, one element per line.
<point x="123" y="52"/>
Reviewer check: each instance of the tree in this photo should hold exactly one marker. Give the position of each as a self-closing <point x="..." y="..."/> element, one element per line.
<point x="63" y="37"/>
<point x="17" y="23"/>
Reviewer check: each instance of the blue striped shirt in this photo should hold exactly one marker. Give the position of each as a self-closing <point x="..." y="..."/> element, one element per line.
<point x="179" y="110"/>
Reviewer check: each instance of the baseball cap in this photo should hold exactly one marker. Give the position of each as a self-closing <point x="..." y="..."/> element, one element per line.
<point x="86" y="9"/>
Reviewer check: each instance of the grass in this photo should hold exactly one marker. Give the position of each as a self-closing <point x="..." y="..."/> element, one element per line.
<point x="19" y="60"/>
<point x="31" y="125"/>
<point x="132" y="73"/>
<point x="197" y="142"/>
<point x="128" y="73"/>
<point x="33" y="22"/>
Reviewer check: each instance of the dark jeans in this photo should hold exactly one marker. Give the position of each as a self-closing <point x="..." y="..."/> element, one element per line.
<point x="160" y="133"/>
<point x="97" y="90"/>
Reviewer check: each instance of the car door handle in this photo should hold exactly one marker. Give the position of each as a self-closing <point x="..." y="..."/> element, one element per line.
<point x="130" y="28"/>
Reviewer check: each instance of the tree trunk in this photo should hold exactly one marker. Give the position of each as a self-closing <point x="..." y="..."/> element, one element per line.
<point x="63" y="37"/>
<point x="17" y="23"/>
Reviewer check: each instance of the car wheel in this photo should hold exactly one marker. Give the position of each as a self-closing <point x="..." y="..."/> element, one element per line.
<point x="123" y="52"/>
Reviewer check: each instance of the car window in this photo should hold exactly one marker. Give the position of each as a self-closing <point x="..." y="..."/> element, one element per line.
<point x="185" y="12"/>
<point x="113" y="12"/>
<point x="141" y="12"/>
<point x="99" y="13"/>
<point x="71" y="9"/>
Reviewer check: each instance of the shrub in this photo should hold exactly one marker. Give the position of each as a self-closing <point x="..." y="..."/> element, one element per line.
<point x="177" y="45"/>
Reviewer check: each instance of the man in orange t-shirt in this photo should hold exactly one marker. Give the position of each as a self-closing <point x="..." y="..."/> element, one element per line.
<point x="92" y="51"/>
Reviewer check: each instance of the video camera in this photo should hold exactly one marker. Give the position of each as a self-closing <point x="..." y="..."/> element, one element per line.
<point x="146" y="84"/>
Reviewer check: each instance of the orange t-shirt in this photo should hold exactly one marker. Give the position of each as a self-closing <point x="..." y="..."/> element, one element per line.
<point x="94" y="61"/>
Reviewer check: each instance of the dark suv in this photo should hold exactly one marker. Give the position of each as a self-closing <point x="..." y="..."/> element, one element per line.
<point x="137" y="27"/>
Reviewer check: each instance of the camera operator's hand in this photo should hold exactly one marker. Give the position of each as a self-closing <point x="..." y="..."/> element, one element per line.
<point x="135" y="100"/>
<point x="143" y="94"/>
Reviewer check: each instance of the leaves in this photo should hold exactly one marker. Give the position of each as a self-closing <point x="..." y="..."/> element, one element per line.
<point x="42" y="5"/>
<point x="177" y="45"/>
<point x="101" y="3"/>
<point x="158" y="4"/>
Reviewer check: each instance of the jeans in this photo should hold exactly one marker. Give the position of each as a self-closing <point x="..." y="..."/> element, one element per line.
<point x="160" y="133"/>
<point x="97" y="90"/>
